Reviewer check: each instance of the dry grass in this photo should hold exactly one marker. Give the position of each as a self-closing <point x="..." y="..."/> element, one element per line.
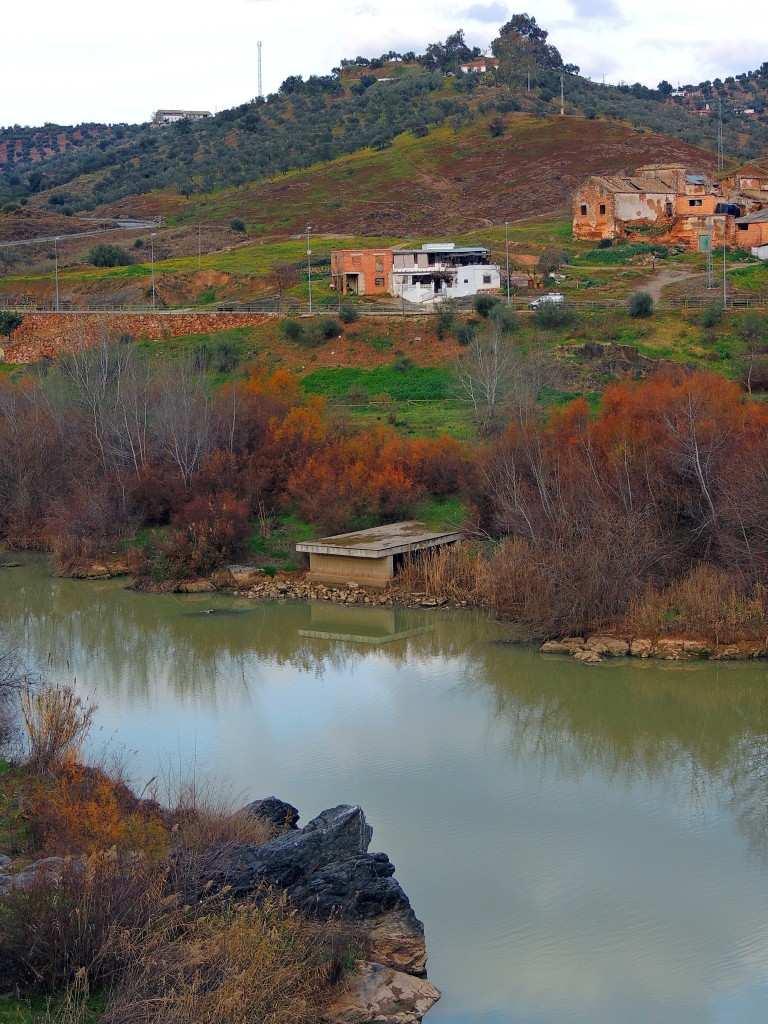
<point x="704" y="604"/>
<point x="457" y="573"/>
<point x="56" y="721"/>
<point x="233" y="963"/>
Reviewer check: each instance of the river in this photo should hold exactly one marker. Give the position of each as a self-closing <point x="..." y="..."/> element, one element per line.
<point x="583" y="843"/>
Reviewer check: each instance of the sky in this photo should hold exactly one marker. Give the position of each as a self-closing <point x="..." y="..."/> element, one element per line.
<point x="87" y="60"/>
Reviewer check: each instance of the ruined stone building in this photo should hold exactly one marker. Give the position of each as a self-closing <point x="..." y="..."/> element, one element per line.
<point x="688" y="209"/>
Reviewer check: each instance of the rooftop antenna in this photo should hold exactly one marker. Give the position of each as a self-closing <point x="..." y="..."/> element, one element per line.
<point x="719" y="133"/>
<point x="258" y="49"/>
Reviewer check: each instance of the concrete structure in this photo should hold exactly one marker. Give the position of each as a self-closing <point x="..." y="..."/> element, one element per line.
<point x="172" y="116"/>
<point x="371" y="557"/>
<point x="441" y="270"/>
<point x="362" y="271"/>
<point x="360" y="624"/>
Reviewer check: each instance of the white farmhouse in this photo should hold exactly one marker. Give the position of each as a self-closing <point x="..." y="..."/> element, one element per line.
<point x="441" y="270"/>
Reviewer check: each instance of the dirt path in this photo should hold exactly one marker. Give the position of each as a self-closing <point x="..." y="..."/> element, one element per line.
<point x="662" y="278"/>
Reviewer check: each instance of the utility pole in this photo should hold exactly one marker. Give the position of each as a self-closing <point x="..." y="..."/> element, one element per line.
<point x="152" y="260"/>
<point x="710" y="255"/>
<point x="725" y="278"/>
<point x="258" y="50"/>
<point x="562" y="97"/>
<point x="719" y="133"/>
<point x="309" y="268"/>
<point x="56" y="268"/>
<point x="199" y="245"/>
<point x="506" y="246"/>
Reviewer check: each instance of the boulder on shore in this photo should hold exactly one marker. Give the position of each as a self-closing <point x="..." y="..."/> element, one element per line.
<point x="326" y="872"/>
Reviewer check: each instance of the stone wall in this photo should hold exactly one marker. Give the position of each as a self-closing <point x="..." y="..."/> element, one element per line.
<point x="53" y="334"/>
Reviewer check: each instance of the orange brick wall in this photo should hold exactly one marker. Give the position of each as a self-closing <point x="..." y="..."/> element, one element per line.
<point x="371" y="265"/>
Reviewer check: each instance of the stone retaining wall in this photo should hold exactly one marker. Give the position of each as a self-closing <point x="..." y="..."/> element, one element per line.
<point x="54" y="334"/>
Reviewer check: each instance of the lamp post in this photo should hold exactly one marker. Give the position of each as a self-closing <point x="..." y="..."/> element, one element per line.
<point x="725" y="279"/>
<point x="309" y="268"/>
<point x="152" y="261"/>
<point x="506" y="246"/>
<point x="56" y="268"/>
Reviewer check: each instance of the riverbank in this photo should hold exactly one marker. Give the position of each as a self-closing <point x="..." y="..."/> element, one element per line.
<point x="125" y="910"/>
<point x="594" y="649"/>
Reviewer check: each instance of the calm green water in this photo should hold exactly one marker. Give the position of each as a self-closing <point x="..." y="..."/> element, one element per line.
<point x="584" y="844"/>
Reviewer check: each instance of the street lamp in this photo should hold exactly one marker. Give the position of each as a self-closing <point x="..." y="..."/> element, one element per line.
<point x="152" y="260"/>
<point x="506" y="245"/>
<point x="56" y="268"/>
<point x="309" y="268"/>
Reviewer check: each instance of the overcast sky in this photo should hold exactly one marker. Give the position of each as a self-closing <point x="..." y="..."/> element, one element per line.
<point x="88" y="60"/>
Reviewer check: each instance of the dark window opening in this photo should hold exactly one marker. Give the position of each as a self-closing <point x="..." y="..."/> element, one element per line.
<point x="378" y="282"/>
<point x="602" y="208"/>
<point x="583" y="209"/>
<point x="694" y="202"/>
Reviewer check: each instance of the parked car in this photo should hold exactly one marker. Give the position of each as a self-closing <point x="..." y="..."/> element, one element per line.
<point x="549" y="297"/>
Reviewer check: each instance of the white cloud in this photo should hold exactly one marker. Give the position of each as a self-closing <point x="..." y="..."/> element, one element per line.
<point x="87" y="61"/>
<point x="493" y="13"/>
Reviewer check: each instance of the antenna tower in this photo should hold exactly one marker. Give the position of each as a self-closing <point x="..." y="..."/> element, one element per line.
<point x="719" y="133"/>
<point x="710" y="255"/>
<point x="258" y="49"/>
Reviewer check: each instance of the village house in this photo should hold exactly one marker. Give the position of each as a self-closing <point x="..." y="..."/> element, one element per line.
<point x="750" y="180"/>
<point x="362" y="271"/>
<point x="752" y="233"/>
<point x="438" y="270"/>
<point x="479" y="67"/>
<point x="172" y="116"/>
<point x="443" y="270"/>
<point x="690" y="209"/>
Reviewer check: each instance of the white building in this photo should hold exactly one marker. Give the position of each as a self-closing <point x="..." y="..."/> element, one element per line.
<point x="172" y="116"/>
<point x="441" y="270"/>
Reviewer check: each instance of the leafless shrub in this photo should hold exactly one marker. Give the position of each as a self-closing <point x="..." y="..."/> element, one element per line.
<point x="457" y="573"/>
<point x="706" y="603"/>
<point x="56" y="721"/>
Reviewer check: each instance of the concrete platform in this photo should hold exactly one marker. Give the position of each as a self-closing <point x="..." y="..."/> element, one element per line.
<point x="370" y="557"/>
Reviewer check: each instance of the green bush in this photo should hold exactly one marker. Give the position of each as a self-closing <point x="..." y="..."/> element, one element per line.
<point x="348" y="313"/>
<point x="105" y="255"/>
<point x="445" y="316"/>
<point x="640" y="305"/>
<point x="712" y="315"/>
<point x="505" y="317"/>
<point x="292" y="330"/>
<point x="237" y="224"/>
<point x="326" y="327"/>
<point x="485" y="304"/>
<point x="465" y="333"/>
<point x="554" y="314"/>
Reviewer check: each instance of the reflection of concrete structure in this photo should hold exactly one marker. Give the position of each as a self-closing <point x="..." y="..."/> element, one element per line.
<point x="360" y="625"/>
<point x="361" y="271"/>
<point x="441" y="270"/>
<point x="371" y="557"/>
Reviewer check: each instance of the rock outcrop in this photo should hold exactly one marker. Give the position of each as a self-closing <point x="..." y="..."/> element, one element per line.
<point x="326" y="871"/>
<point x="377" y="994"/>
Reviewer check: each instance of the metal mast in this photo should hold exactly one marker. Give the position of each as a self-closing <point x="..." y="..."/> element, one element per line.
<point x="258" y="49"/>
<point x="719" y="133"/>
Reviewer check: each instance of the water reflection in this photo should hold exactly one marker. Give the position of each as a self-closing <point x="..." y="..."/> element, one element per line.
<point x="578" y="840"/>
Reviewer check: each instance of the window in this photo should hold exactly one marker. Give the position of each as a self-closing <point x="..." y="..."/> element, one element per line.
<point x="694" y="202"/>
<point x="742" y="227"/>
<point x="356" y="260"/>
<point x="379" y="267"/>
<point x="602" y="209"/>
<point x="466" y="280"/>
<point x="378" y="282"/>
<point x="486" y="278"/>
<point x="668" y="208"/>
<point x="583" y="209"/>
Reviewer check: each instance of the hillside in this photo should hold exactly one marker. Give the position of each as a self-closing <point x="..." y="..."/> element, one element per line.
<point x="365" y="104"/>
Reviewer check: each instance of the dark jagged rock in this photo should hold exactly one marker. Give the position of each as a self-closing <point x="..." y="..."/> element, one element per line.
<point x="277" y="813"/>
<point x="326" y="871"/>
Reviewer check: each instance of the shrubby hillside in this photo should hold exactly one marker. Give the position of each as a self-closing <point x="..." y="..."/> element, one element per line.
<point x="364" y="103"/>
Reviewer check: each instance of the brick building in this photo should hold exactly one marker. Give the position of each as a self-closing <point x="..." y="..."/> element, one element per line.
<point x="361" y="271"/>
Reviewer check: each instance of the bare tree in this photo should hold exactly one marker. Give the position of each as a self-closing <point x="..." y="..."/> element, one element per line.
<point x="283" y="276"/>
<point x="183" y="424"/>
